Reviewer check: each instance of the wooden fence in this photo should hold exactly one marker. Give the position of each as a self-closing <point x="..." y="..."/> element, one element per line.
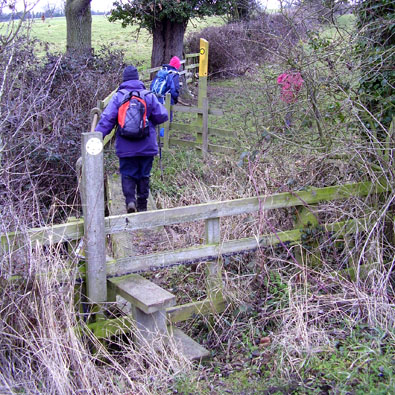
<point x="99" y="273"/>
<point x="189" y="73"/>
<point x="210" y="213"/>
<point x="199" y="129"/>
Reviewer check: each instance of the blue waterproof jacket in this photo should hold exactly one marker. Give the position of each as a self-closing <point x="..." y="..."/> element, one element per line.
<point x="173" y="82"/>
<point x="156" y="114"/>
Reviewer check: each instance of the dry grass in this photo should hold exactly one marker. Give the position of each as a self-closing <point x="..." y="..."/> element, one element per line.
<point x="303" y="297"/>
<point x="43" y="349"/>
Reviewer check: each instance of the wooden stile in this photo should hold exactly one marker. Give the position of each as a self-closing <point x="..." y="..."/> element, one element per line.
<point x="92" y="175"/>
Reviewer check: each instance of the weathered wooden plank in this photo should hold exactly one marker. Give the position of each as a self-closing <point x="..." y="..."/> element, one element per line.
<point x="143" y="220"/>
<point x="205" y="126"/>
<point x="106" y="328"/>
<point x="182" y="143"/>
<point x="182" y="127"/>
<point x="208" y="252"/>
<point x="106" y="100"/>
<point x="215" y="111"/>
<point x="184" y="312"/>
<point x="221" y="132"/>
<point x="193" y="144"/>
<point x="204" y="211"/>
<point x="185" y="127"/>
<point x="148" y="302"/>
<point x="196" y="110"/>
<point x="154" y="69"/>
<point x="203" y="252"/>
<point x="108" y="138"/>
<point x="144" y="294"/>
<point x="213" y="269"/>
<point x="192" y="55"/>
<point x="151" y="70"/>
<point x="187" y="347"/>
<point x="43" y="236"/>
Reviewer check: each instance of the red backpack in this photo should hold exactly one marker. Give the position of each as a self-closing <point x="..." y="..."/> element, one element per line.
<point x="132" y="115"/>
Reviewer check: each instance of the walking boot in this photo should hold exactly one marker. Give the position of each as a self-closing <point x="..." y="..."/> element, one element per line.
<point x="142" y="194"/>
<point x="141" y="204"/>
<point x="129" y="191"/>
<point x="131" y="207"/>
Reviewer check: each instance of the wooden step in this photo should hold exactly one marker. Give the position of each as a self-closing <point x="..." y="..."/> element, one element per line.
<point x="142" y="293"/>
<point x="186" y="346"/>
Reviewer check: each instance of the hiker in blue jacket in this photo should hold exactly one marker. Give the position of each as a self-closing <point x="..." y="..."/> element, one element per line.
<point x="172" y="81"/>
<point x="135" y="156"/>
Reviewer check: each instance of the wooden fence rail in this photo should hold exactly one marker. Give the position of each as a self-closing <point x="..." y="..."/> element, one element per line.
<point x="189" y="76"/>
<point x="211" y="251"/>
<point x="99" y="276"/>
<point x="68" y="232"/>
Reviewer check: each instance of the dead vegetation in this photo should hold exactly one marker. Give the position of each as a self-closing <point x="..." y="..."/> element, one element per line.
<point x="239" y="47"/>
<point x="299" y="316"/>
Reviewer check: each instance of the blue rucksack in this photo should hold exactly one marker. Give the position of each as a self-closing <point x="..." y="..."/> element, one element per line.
<point x="161" y="84"/>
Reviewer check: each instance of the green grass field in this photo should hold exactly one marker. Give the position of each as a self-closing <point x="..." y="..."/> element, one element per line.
<point x="137" y="45"/>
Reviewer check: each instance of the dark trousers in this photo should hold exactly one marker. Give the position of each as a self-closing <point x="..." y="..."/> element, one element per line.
<point x="135" y="173"/>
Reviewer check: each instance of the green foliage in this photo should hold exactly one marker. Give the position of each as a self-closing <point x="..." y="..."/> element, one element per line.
<point x="186" y="384"/>
<point x="146" y="13"/>
<point x="375" y="48"/>
<point x="361" y="362"/>
<point x="277" y="291"/>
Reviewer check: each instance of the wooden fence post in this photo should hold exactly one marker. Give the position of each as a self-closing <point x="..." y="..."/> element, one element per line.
<point x="93" y="186"/>
<point x="202" y="96"/>
<point x="305" y="220"/>
<point x="205" y="126"/>
<point x="214" y="276"/>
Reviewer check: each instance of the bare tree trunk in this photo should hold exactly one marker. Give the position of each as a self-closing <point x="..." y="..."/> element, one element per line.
<point x="79" y="26"/>
<point x="168" y="41"/>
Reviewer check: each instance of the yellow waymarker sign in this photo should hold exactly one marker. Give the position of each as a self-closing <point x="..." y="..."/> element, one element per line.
<point x="203" y="58"/>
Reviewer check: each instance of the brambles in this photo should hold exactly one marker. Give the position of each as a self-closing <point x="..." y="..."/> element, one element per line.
<point x="375" y="48"/>
<point x="238" y="48"/>
<point x="45" y="108"/>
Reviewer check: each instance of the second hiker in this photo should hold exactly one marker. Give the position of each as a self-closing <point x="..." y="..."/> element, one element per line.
<point x="166" y="80"/>
<point x="135" y="151"/>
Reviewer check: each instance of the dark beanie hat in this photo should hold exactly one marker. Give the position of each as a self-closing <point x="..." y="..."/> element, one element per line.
<point x="130" y="73"/>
